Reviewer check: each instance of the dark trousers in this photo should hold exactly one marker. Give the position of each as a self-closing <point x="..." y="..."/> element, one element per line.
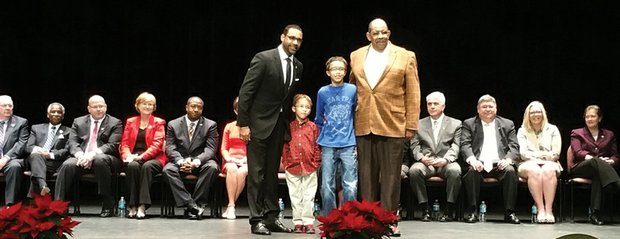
<point x="262" y="180"/>
<point x="139" y="179"/>
<point x="207" y="174"/>
<point x="508" y="179"/>
<point x="379" y="165"/>
<point x="41" y="168"/>
<point x="418" y="173"/>
<point x="103" y="166"/>
<point x="13" y="173"/>
<point x="601" y="173"/>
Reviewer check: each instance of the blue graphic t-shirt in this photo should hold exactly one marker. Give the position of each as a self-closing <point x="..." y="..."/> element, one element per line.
<point x="335" y="108"/>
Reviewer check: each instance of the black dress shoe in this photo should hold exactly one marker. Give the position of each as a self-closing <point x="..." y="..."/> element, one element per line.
<point x="511" y="218"/>
<point x="471" y="218"/>
<point x="106" y="212"/>
<point x="426" y="216"/>
<point x="277" y="226"/>
<point x="260" y="229"/>
<point x="445" y="218"/>
<point x="195" y="212"/>
<point x="594" y="219"/>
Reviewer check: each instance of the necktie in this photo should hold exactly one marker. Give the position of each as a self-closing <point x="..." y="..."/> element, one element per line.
<point x="288" y="73"/>
<point x="92" y="143"/>
<point x="190" y="131"/>
<point x="50" y="138"/>
<point x="435" y="131"/>
<point x="2" y="123"/>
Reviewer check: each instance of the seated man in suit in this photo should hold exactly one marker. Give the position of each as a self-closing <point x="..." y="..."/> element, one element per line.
<point x="435" y="149"/>
<point x="13" y="136"/>
<point x="489" y="147"/>
<point x="191" y="146"/>
<point x="93" y="144"/>
<point x="47" y="148"/>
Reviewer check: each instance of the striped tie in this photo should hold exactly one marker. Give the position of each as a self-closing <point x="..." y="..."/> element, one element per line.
<point x="191" y="131"/>
<point x="50" y="138"/>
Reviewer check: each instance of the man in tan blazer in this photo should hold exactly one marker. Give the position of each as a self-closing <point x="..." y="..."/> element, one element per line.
<point x="388" y="108"/>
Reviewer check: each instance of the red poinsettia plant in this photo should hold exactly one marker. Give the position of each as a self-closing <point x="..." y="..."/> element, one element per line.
<point x="41" y="218"/>
<point x="358" y="220"/>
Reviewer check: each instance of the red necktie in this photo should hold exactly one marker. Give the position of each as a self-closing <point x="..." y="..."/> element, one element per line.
<point x="92" y="143"/>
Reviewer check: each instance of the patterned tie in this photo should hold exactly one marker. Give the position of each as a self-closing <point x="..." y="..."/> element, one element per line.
<point x="2" y="123"/>
<point x="435" y="131"/>
<point x="50" y="138"/>
<point x="190" y="131"/>
<point x="92" y="143"/>
<point x="288" y="73"/>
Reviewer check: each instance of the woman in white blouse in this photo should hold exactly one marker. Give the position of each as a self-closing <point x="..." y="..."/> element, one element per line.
<point x="539" y="146"/>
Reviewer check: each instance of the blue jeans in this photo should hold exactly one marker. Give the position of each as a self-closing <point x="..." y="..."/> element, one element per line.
<point x="346" y="159"/>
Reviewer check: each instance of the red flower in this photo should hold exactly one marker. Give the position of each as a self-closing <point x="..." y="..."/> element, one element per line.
<point x="44" y="217"/>
<point x="357" y="220"/>
<point x="66" y="225"/>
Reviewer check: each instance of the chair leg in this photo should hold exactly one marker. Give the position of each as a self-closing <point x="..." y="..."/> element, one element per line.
<point x="76" y="197"/>
<point x="572" y="202"/>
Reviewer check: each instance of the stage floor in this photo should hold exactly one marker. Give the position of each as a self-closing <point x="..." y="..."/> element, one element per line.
<point x="156" y="227"/>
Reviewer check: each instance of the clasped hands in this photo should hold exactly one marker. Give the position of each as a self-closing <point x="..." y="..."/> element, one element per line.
<point x="501" y="164"/>
<point x="433" y="161"/>
<point x="606" y="159"/>
<point x="132" y="157"/>
<point x="187" y="165"/>
<point x="85" y="160"/>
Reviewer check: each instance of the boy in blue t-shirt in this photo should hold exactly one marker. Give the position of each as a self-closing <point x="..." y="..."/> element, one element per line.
<point x="335" y="109"/>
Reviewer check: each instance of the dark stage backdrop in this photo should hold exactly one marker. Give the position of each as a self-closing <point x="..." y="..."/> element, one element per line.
<point x="563" y="53"/>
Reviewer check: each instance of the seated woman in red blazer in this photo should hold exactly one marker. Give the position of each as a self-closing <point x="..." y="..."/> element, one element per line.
<point x="596" y="155"/>
<point x="141" y="149"/>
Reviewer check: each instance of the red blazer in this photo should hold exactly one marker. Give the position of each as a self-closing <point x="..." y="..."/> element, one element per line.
<point x="155" y="137"/>
<point x="582" y="143"/>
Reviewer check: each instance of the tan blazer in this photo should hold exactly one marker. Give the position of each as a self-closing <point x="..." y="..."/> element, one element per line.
<point x="394" y="104"/>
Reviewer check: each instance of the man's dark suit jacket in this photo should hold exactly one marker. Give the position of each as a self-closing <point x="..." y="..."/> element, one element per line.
<point x="261" y="110"/>
<point x="472" y="137"/>
<point x="582" y="143"/>
<point x="15" y="137"/>
<point x="203" y="145"/>
<point x="108" y="137"/>
<point x="38" y="136"/>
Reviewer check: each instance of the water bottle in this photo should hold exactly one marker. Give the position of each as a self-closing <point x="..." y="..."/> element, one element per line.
<point x="436" y="209"/>
<point x="121" y="208"/>
<point x="281" y="205"/>
<point x="534" y="214"/>
<point x="483" y="212"/>
<point x="317" y="207"/>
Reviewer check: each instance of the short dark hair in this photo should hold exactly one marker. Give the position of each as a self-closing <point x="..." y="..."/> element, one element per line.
<point x="288" y="27"/>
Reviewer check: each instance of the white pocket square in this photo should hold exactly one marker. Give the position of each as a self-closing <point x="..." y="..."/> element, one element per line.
<point x="296" y="79"/>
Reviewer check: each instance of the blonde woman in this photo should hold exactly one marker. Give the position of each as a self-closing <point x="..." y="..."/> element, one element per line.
<point x="540" y="145"/>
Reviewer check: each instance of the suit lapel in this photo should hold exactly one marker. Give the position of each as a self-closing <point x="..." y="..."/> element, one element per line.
<point x="360" y="66"/>
<point x="388" y="66"/>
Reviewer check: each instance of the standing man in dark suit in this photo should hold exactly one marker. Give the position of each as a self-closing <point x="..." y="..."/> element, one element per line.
<point x="47" y="148"/>
<point x="435" y="149"/>
<point x="93" y="142"/>
<point x="13" y="136"/>
<point x="489" y="146"/>
<point x="191" y="146"/>
<point x="388" y="108"/>
<point x="265" y="99"/>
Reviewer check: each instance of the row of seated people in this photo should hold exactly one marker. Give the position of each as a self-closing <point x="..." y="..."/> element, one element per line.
<point x="98" y="143"/>
<point x="535" y="148"/>
<point x="488" y="146"/>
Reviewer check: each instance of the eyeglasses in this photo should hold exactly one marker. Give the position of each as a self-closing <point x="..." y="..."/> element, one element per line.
<point x="293" y="38"/>
<point x="338" y="69"/>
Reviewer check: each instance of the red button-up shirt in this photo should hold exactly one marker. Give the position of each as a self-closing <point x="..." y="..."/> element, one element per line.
<point x="302" y="155"/>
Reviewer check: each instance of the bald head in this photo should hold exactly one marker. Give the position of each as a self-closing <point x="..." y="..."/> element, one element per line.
<point x="6" y="107"/>
<point x="377" y="22"/>
<point x="378" y="34"/>
<point x="97" y="107"/>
